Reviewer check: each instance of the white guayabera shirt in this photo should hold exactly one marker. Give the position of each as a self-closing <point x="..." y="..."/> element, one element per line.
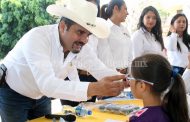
<point x="36" y="67"/>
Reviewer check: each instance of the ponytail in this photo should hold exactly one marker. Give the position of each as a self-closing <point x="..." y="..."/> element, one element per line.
<point x="168" y="85"/>
<point x="103" y="11"/>
<point x="175" y="101"/>
<point x="106" y="10"/>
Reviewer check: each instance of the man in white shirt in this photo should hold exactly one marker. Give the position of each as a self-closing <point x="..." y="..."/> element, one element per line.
<point x="45" y="56"/>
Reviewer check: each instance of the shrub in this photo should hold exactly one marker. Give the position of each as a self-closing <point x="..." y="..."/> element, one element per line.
<point x="19" y="16"/>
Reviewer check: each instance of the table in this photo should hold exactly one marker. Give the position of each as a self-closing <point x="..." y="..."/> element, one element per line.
<point x="98" y="116"/>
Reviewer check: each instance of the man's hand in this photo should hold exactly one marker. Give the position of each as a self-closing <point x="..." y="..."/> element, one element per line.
<point x="108" y="86"/>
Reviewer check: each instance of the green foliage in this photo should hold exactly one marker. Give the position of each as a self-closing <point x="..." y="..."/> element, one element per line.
<point x="19" y="16"/>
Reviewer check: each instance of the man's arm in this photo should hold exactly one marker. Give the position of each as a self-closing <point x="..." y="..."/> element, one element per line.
<point x="87" y="60"/>
<point x="108" y="86"/>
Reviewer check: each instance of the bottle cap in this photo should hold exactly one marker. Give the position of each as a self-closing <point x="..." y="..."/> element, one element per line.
<point x="89" y="112"/>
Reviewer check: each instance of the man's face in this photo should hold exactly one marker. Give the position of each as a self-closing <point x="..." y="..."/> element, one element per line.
<point x="74" y="38"/>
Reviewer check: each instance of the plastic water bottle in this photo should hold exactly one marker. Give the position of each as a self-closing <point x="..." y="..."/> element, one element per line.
<point x="128" y="94"/>
<point x="81" y="111"/>
<point x="61" y="120"/>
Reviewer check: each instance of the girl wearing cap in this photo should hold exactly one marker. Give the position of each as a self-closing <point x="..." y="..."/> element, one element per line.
<point x="148" y="37"/>
<point x="114" y="51"/>
<point x="178" y="43"/>
<point x="161" y="89"/>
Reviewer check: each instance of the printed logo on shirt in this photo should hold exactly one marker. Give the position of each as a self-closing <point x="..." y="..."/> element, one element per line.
<point x="140" y="112"/>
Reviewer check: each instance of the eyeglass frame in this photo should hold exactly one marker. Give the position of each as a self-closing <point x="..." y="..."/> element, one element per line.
<point x="128" y="78"/>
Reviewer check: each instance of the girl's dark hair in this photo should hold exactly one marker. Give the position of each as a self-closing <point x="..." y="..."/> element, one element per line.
<point x="98" y="6"/>
<point x="186" y="36"/>
<point x="156" y="69"/>
<point x="157" y="29"/>
<point x="106" y="10"/>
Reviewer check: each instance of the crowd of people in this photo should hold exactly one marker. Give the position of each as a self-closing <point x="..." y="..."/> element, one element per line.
<point x="87" y="55"/>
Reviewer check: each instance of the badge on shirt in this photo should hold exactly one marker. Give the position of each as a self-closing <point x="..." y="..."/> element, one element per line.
<point x="139" y="112"/>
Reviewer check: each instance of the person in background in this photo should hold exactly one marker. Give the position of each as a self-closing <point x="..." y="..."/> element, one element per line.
<point x="177" y="43"/>
<point x="148" y="37"/>
<point x="115" y="50"/>
<point x="41" y="60"/>
<point x="161" y="89"/>
<point x="106" y="49"/>
<point x="186" y="75"/>
<point x="186" y="78"/>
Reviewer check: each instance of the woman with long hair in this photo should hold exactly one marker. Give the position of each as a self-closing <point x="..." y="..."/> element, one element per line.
<point x="177" y="43"/>
<point x="148" y="37"/>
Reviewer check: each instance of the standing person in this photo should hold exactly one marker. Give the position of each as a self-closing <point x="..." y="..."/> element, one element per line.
<point x="37" y="67"/>
<point x="186" y="76"/>
<point x="148" y="37"/>
<point x="177" y="43"/>
<point x="114" y="51"/>
<point x="161" y="89"/>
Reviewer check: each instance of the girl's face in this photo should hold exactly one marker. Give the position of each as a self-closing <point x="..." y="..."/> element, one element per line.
<point x="149" y="20"/>
<point x="134" y="88"/>
<point x="180" y="24"/>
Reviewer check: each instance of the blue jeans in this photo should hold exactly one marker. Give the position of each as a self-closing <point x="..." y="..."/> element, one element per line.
<point x="15" y="107"/>
<point x="178" y="70"/>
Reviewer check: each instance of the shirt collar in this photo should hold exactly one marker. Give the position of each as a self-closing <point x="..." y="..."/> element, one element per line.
<point x="110" y="23"/>
<point x="145" y="31"/>
<point x="70" y="57"/>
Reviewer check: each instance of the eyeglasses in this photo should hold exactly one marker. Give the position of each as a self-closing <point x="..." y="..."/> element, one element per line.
<point x="128" y="78"/>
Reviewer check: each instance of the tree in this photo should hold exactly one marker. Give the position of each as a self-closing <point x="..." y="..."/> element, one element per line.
<point x="19" y="16"/>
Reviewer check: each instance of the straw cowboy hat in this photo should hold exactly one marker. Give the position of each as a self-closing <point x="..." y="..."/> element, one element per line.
<point x="83" y="13"/>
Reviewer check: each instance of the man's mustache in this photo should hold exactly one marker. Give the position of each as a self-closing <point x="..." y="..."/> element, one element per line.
<point x="79" y="43"/>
